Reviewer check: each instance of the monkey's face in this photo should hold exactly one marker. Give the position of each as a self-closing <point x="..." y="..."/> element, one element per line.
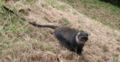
<point x="81" y="37"/>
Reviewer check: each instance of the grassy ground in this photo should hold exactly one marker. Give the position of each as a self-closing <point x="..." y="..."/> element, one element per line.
<point x="106" y="13"/>
<point x="21" y="42"/>
<point x="11" y="27"/>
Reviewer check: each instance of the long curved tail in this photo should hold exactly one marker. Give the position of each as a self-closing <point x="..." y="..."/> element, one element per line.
<point x="53" y="26"/>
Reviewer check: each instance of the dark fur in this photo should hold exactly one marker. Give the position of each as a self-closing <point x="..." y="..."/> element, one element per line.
<point x="66" y="37"/>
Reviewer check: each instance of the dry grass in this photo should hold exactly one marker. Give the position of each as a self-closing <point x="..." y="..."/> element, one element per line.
<point x="25" y="43"/>
<point x="106" y="13"/>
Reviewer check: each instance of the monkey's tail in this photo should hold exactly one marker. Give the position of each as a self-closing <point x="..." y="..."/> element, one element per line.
<point x="53" y="26"/>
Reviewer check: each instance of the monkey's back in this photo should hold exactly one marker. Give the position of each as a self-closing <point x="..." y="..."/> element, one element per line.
<point x="66" y="37"/>
<point x="66" y="33"/>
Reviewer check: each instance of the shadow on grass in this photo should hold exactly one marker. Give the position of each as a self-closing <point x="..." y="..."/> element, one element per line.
<point x="113" y="2"/>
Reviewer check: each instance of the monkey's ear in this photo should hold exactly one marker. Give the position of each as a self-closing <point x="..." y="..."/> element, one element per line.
<point x="81" y="30"/>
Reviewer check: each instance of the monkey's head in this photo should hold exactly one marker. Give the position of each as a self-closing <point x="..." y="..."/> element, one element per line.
<point x="81" y="37"/>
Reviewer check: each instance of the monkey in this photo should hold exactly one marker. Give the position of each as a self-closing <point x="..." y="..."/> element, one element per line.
<point x="74" y="40"/>
<point x="70" y="38"/>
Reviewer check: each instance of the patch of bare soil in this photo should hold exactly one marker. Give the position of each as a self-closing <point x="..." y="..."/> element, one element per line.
<point x="41" y="46"/>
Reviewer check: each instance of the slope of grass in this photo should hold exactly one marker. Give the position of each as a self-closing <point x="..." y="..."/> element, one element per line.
<point x="101" y="11"/>
<point x="21" y="42"/>
<point x="17" y="37"/>
<point x="11" y="27"/>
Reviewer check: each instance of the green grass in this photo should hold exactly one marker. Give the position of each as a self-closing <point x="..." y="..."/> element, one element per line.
<point x="116" y="59"/>
<point x="56" y="4"/>
<point x="11" y="27"/>
<point x="10" y="22"/>
<point x="106" y="13"/>
<point x="30" y="1"/>
<point x="13" y="31"/>
<point x="65" y="21"/>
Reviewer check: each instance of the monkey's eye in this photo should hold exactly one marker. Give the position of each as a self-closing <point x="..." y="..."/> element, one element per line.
<point x="83" y="39"/>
